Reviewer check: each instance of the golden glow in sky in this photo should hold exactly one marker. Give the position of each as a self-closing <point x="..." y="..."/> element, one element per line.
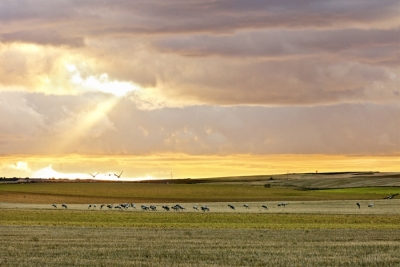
<point x="184" y="166"/>
<point x="199" y="89"/>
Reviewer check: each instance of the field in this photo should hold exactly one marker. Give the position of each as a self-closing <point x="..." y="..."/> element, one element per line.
<point x="88" y="246"/>
<point x="316" y="227"/>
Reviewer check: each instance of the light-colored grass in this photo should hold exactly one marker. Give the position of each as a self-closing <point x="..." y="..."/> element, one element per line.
<point x="86" y="246"/>
<point x="204" y="220"/>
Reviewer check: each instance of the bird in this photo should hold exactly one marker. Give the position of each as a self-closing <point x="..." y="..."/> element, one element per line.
<point x="175" y="208"/>
<point x="94" y="206"/>
<point x="93" y="175"/>
<point x="264" y="206"/>
<point x="110" y="206"/>
<point x="195" y="207"/>
<point x="166" y="208"/>
<point x="89" y="206"/>
<point x="102" y="205"/>
<point x="370" y="205"/>
<point x="231" y="206"/>
<point x="283" y="204"/>
<point x="145" y="207"/>
<point x="391" y="196"/>
<point x="133" y="205"/>
<point x="119" y="176"/>
<point x="358" y="204"/>
<point x="154" y="208"/>
<point x="64" y="206"/>
<point x="246" y="206"/>
<point x="54" y="205"/>
<point x="205" y="208"/>
<point x="180" y="207"/>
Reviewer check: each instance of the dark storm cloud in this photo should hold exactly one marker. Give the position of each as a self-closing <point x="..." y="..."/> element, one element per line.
<point x="83" y="19"/>
<point x="287" y="44"/>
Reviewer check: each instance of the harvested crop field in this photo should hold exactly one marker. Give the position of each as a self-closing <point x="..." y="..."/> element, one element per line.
<point x="313" y="228"/>
<point x="87" y="246"/>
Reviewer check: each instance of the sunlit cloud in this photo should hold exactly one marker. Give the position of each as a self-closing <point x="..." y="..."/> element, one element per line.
<point x="20" y="165"/>
<point x="164" y="166"/>
<point x="100" y="83"/>
<point x="49" y="173"/>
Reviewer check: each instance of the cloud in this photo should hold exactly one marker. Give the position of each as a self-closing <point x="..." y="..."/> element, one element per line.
<point x="198" y="78"/>
<point x="288" y="44"/>
<point x="81" y="125"/>
<point x="184" y="53"/>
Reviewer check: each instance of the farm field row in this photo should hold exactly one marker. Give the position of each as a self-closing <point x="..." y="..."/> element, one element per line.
<point x="204" y="220"/>
<point x="47" y="193"/>
<point x="315" y="228"/>
<point x="88" y="246"/>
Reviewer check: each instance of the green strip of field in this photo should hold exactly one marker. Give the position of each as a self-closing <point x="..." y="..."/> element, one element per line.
<point x="136" y="192"/>
<point x="197" y="220"/>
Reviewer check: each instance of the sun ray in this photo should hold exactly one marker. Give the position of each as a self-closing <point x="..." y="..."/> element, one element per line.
<point x="86" y="122"/>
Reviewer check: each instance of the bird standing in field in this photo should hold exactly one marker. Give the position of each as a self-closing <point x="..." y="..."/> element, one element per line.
<point x="358" y="204"/>
<point x="231" y="206"/>
<point x="264" y="206"/>
<point x="370" y="205"/>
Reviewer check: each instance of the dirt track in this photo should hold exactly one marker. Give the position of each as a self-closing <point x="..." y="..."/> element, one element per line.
<point x="317" y="207"/>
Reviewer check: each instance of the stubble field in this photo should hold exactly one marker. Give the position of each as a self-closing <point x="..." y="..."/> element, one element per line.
<point x="316" y="228"/>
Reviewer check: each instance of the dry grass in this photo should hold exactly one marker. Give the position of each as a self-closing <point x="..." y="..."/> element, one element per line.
<point x="158" y="193"/>
<point x="206" y="220"/>
<point x="329" y="232"/>
<point x="59" y="246"/>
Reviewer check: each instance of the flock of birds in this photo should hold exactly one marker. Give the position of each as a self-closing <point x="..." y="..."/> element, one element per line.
<point x="114" y="174"/>
<point x="178" y="207"/>
<point x="370" y="205"/>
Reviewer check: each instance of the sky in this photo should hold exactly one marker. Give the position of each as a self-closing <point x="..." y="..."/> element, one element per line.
<point x="198" y="88"/>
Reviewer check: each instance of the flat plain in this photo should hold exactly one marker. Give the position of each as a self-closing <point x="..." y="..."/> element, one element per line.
<point x="318" y="226"/>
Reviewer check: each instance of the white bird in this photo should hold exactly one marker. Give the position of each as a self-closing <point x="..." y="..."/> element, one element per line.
<point x="246" y="206"/>
<point x="64" y="206"/>
<point x="370" y="205"/>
